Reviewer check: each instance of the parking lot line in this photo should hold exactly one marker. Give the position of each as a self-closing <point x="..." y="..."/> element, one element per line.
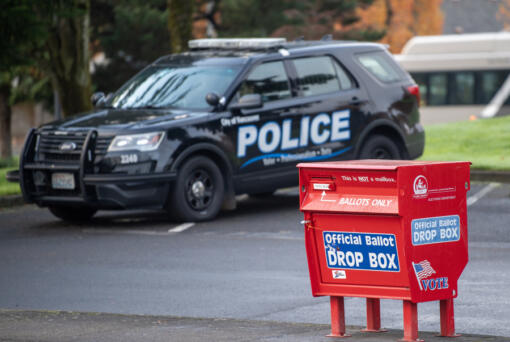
<point x="121" y="231"/>
<point x="177" y="229"/>
<point x="182" y="227"/>
<point x="485" y="190"/>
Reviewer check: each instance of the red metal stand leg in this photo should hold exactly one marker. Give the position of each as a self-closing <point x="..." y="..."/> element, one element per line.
<point x="410" y="321"/>
<point x="373" y="316"/>
<point x="337" y="317"/>
<point x="447" y="318"/>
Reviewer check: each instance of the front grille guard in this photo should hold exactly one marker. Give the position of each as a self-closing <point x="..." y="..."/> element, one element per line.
<point x="27" y="164"/>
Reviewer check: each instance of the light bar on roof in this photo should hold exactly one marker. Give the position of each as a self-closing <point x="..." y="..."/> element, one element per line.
<point x="236" y="43"/>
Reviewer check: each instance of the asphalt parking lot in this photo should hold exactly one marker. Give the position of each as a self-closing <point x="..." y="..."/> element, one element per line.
<point x="248" y="264"/>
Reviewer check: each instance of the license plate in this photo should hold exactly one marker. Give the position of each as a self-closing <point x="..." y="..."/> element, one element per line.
<point x="62" y="181"/>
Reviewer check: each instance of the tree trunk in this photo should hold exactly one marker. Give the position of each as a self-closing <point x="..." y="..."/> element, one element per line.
<point x="5" y="121"/>
<point x="180" y="24"/>
<point x="68" y="47"/>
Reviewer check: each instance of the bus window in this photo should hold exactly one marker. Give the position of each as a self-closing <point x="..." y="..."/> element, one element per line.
<point x="460" y="88"/>
<point x="464" y="88"/>
<point x="438" y="89"/>
<point x="490" y="84"/>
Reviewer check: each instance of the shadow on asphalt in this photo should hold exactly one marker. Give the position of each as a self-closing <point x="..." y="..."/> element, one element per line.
<point x="158" y="220"/>
<point x="247" y="205"/>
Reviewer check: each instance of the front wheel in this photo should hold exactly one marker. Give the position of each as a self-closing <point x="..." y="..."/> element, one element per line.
<point x="198" y="192"/>
<point x="72" y="214"/>
<point x="380" y="147"/>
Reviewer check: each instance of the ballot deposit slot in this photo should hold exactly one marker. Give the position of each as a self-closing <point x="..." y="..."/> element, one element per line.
<point x="386" y="229"/>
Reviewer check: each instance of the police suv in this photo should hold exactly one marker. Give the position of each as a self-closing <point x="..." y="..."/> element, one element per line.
<point x="231" y="116"/>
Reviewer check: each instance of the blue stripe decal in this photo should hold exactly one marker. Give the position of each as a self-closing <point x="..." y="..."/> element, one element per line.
<point x="279" y="155"/>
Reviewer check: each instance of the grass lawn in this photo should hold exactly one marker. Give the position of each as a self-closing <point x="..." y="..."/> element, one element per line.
<point x="485" y="143"/>
<point x="7" y="188"/>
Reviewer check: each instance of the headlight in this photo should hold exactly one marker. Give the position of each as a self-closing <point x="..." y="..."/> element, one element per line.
<point x="140" y="142"/>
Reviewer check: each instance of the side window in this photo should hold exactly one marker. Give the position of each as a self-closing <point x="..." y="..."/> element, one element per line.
<point x="269" y="80"/>
<point x="345" y="80"/>
<point x="379" y="65"/>
<point x="320" y="75"/>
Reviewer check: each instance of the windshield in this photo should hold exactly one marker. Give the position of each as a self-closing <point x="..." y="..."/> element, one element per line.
<point x="174" y="87"/>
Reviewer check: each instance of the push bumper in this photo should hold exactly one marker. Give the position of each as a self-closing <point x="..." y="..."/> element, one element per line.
<point x="109" y="191"/>
<point x="12" y="176"/>
<point x="101" y="191"/>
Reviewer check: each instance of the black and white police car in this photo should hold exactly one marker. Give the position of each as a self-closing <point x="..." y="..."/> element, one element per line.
<point x="231" y="116"/>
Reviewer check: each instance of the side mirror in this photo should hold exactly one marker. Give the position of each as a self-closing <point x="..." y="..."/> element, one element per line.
<point x="96" y="98"/>
<point x="248" y="101"/>
<point x="212" y="99"/>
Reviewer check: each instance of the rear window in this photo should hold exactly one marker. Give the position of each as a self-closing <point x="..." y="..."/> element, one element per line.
<point x="380" y="66"/>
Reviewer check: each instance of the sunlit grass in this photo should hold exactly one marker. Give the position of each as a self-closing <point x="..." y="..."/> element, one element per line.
<point x="485" y="143"/>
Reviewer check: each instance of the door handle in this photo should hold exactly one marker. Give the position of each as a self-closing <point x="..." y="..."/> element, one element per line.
<point x="288" y="112"/>
<point x="356" y="101"/>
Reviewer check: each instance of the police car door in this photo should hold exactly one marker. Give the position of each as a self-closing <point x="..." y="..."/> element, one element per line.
<point x="329" y="103"/>
<point x="263" y="134"/>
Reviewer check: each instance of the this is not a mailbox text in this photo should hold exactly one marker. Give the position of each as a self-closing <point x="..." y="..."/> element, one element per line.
<point x="361" y="251"/>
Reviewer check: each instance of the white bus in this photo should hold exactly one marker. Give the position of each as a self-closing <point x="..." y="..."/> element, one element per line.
<point x="460" y="75"/>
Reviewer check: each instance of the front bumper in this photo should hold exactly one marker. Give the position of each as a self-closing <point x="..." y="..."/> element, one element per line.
<point x="12" y="176"/>
<point x="101" y="191"/>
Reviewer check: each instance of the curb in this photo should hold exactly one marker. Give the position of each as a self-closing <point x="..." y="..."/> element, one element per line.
<point x="490" y="176"/>
<point x="11" y="201"/>
<point x="20" y="325"/>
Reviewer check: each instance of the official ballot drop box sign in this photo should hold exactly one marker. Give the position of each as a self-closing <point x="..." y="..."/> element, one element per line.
<point x="385" y="229"/>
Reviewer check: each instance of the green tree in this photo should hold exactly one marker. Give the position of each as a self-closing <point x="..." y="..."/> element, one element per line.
<point x="180" y="23"/>
<point x="66" y="55"/>
<point x="131" y="34"/>
<point x="21" y="32"/>
<point x="253" y="18"/>
<point x="311" y="19"/>
<point x="5" y="118"/>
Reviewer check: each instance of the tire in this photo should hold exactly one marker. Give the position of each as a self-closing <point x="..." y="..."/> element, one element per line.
<point x="72" y="214"/>
<point x="198" y="192"/>
<point x="380" y="147"/>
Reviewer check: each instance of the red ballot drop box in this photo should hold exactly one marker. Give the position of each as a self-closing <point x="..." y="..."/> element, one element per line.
<point x="386" y="229"/>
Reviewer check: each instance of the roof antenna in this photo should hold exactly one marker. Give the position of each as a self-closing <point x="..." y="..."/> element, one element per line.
<point x="299" y="39"/>
<point x="327" y="37"/>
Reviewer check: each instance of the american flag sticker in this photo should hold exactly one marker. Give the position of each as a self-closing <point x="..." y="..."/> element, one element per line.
<point x="339" y="274"/>
<point x="422" y="270"/>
